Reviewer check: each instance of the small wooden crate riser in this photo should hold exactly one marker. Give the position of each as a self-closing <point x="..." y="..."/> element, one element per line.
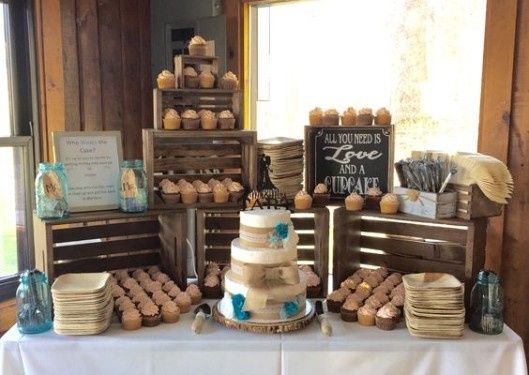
<point x="199" y="63"/>
<point x="408" y="244"/>
<point x="110" y="240"/>
<point x="192" y="156"/>
<point x="428" y="205"/>
<point x="217" y="228"/>
<point x="473" y="204"/>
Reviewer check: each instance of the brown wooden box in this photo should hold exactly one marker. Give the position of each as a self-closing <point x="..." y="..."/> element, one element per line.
<point x="200" y="63"/>
<point x="198" y="155"/>
<point x="406" y="244"/>
<point x="215" y="100"/>
<point x="216" y="228"/>
<point x="472" y="203"/>
<point x="110" y="240"/>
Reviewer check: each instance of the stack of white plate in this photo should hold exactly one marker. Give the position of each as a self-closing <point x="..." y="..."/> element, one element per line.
<point x="286" y="163"/>
<point x="434" y="305"/>
<point x="82" y="303"/>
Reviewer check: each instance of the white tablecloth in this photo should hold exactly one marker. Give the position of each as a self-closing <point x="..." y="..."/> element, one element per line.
<point x="174" y="349"/>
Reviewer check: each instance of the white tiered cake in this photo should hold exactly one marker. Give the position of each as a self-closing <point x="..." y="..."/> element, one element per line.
<point x="263" y="284"/>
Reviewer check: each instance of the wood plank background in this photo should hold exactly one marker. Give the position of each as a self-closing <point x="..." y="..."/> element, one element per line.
<point x="94" y="60"/>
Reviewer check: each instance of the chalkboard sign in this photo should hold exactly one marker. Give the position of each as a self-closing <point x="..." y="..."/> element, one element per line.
<point x="349" y="159"/>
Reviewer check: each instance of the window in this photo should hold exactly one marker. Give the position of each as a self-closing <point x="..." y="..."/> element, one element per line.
<point x="421" y="59"/>
<point x="16" y="145"/>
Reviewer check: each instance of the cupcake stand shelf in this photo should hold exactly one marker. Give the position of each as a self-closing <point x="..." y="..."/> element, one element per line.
<point x="110" y="240"/>
<point x="217" y="228"/>
<point x="406" y="243"/>
<point x="199" y="155"/>
<point x="199" y="63"/>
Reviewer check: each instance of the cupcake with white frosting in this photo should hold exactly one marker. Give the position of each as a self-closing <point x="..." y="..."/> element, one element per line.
<point x="197" y="46"/>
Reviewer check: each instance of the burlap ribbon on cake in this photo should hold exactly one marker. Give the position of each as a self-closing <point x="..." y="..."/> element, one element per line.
<point x="263" y="280"/>
<point x="255" y="237"/>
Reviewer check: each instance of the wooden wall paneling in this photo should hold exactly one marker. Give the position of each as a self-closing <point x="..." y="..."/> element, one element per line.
<point x="130" y="54"/>
<point x="145" y="64"/>
<point x="495" y="114"/>
<point x="109" y="13"/>
<point x="89" y="65"/>
<point x="515" y="260"/>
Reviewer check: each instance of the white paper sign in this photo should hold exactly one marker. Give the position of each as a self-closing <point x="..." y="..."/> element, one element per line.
<point x="91" y="161"/>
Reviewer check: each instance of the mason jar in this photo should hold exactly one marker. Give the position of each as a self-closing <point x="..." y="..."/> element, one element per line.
<point x="34" y="306"/>
<point x="133" y="186"/>
<point x="51" y="191"/>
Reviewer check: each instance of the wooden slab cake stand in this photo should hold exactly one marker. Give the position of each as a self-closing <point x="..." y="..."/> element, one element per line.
<point x="276" y="327"/>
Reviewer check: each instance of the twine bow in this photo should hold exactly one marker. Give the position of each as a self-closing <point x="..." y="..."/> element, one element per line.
<point x="413" y="195"/>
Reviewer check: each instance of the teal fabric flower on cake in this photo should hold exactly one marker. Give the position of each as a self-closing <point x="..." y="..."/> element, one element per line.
<point x="279" y="234"/>
<point x="289" y="309"/>
<point x="237" y="301"/>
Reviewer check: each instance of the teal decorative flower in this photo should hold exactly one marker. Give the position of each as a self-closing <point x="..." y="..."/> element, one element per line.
<point x="281" y="230"/>
<point x="238" y="302"/>
<point x="289" y="309"/>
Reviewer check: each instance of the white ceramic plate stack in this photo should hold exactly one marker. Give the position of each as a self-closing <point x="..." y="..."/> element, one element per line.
<point x="434" y="305"/>
<point x="82" y="303"/>
<point x="286" y="163"/>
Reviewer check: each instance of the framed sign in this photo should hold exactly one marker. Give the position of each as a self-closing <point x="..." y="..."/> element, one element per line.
<point x="349" y="159"/>
<point x="91" y="161"/>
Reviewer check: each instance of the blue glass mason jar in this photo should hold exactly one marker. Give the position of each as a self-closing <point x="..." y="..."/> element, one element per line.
<point x="51" y="191"/>
<point x="486" y="304"/>
<point x="34" y="303"/>
<point x="133" y="187"/>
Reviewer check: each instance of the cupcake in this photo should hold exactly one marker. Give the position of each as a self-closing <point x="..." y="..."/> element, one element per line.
<point x="137" y="298"/>
<point x="226" y="182"/>
<point x="335" y="300"/>
<point x="395" y="278"/>
<point x="350" y="284"/>
<point x="213" y="268"/>
<point x="153" y="286"/>
<point x="190" y="120"/>
<point x="170" y="312"/>
<point x="363" y="273"/>
<point x="349" y="117"/>
<point x="160" y="297"/>
<point x="135" y="291"/>
<point x="205" y="195"/>
<point x="321" y="196"/>
<point x="161" y="277"/>
<point x="226" y="120"/>
<point x="175" y="290"/>
<point x="398" y="301"/>
<point x="387" y="317"/>
<point x="374" y="302"/>
<point x="117" y="291"/>
<point x="168" y="286"/>
<point x="206" y="80"/>
<point x="150" y="315"/>
<point x="125" y="305"/>
<point x="184" y="302"/>
<point x="131" y="319"/>
<point x="153" y="269"/>
<point x="357" y="297"/>
<point x="220" y="194"/>
<point x="364" y="117"/>
<point x="254" y="198"/>
<point x="382" y="271"/>
<point x="363" y="290"/>
<point x="212" y="182"/>
<point x="194" y="293"/>
<point x="389" y="204"/>
<point x="383" y="117"/>
<point x="382" y="297"/>
<point x="212" y="286"/>
<point x="120" y="300"/>
<point x="171" y="120"/>
<point x="190" y="78"/>
<point x="354" y="202"/>
<point x="189" y="194"/>
<point x="398" y="290"/>
<point x="236" y="191"/>
<point x="372" y="281"/>
<point x="331" y="117"/>
<point x="313" y="283"/>
<point x="302" y="200"/>
<point x="170" y="192"/>
<point x="349" y="310"/>
<point x="383" y="288"/>
<point x="374" y="195"/>
<point x="366" y="315"/>
<point x="197" y="46"/>
<point x="208" y="120"/>
<point x="316" y="117"/>
<point x="166" y="80"/>
<point x="139" y="273"/>
<point x="229" y="81"/>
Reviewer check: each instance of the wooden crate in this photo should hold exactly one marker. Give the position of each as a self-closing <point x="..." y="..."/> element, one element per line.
<point x="406" y="244"/>
<point x="110" y="240"/>
<point x="472" y="203"/>
<point x="198" y="155"/>
<point x="200" y="63"/>
<point x="217" y="228"/>
<point x="215" y="100"/>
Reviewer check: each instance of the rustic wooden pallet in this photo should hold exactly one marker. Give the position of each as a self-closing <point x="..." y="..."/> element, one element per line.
<point x="217" y="228"/>
<point x="406" y="244"/>
<point x="110" y="240"/>
<point x="215" y="100"/>
<point x="199" y="155"/>
<point x="472" y="203"/>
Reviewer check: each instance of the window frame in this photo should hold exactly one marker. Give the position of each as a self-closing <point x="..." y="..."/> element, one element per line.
<point x="24" y="120"/>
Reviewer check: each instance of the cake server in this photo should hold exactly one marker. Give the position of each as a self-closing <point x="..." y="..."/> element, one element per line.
<point x="325" y="326"/>
<point x="202" y="312"/>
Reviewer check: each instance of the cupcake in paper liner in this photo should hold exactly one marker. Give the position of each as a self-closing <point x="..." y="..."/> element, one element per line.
<point x="208" y="120"/>
<point x="220" y="194"/>
<point x="383" y="117"/>
<point x="349" y="117"/>
<point x="189" y="194"/>
<point x="190" y="120"/>
<point x="205" y="194"/>
<point x="171" y="120"/>
<point x="191" y="80"/>
<point x="389" y="204"/>
<point x="229" y="81"/>
<point x="373" y="198"/>
<point x="226" y="120"/>
<point x="212" y="286"/>
<point x="170" y="312"/>
<point x="354" y="202"/>
<point x="364" y="117"/>
<point x="206" y="80"/>
<point x="302" y="200"/>
<point x="236" y="191"/>
<point x="387" y="317"/>
<point x="321" y="196"/>
<point x="316" y="117"/>
<point x="166" y="80"/>
<point x="170" y="191"/>
<point x="331" y="117"/>
<point x="349" y="310"/>
<point x="197" y="46"/>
